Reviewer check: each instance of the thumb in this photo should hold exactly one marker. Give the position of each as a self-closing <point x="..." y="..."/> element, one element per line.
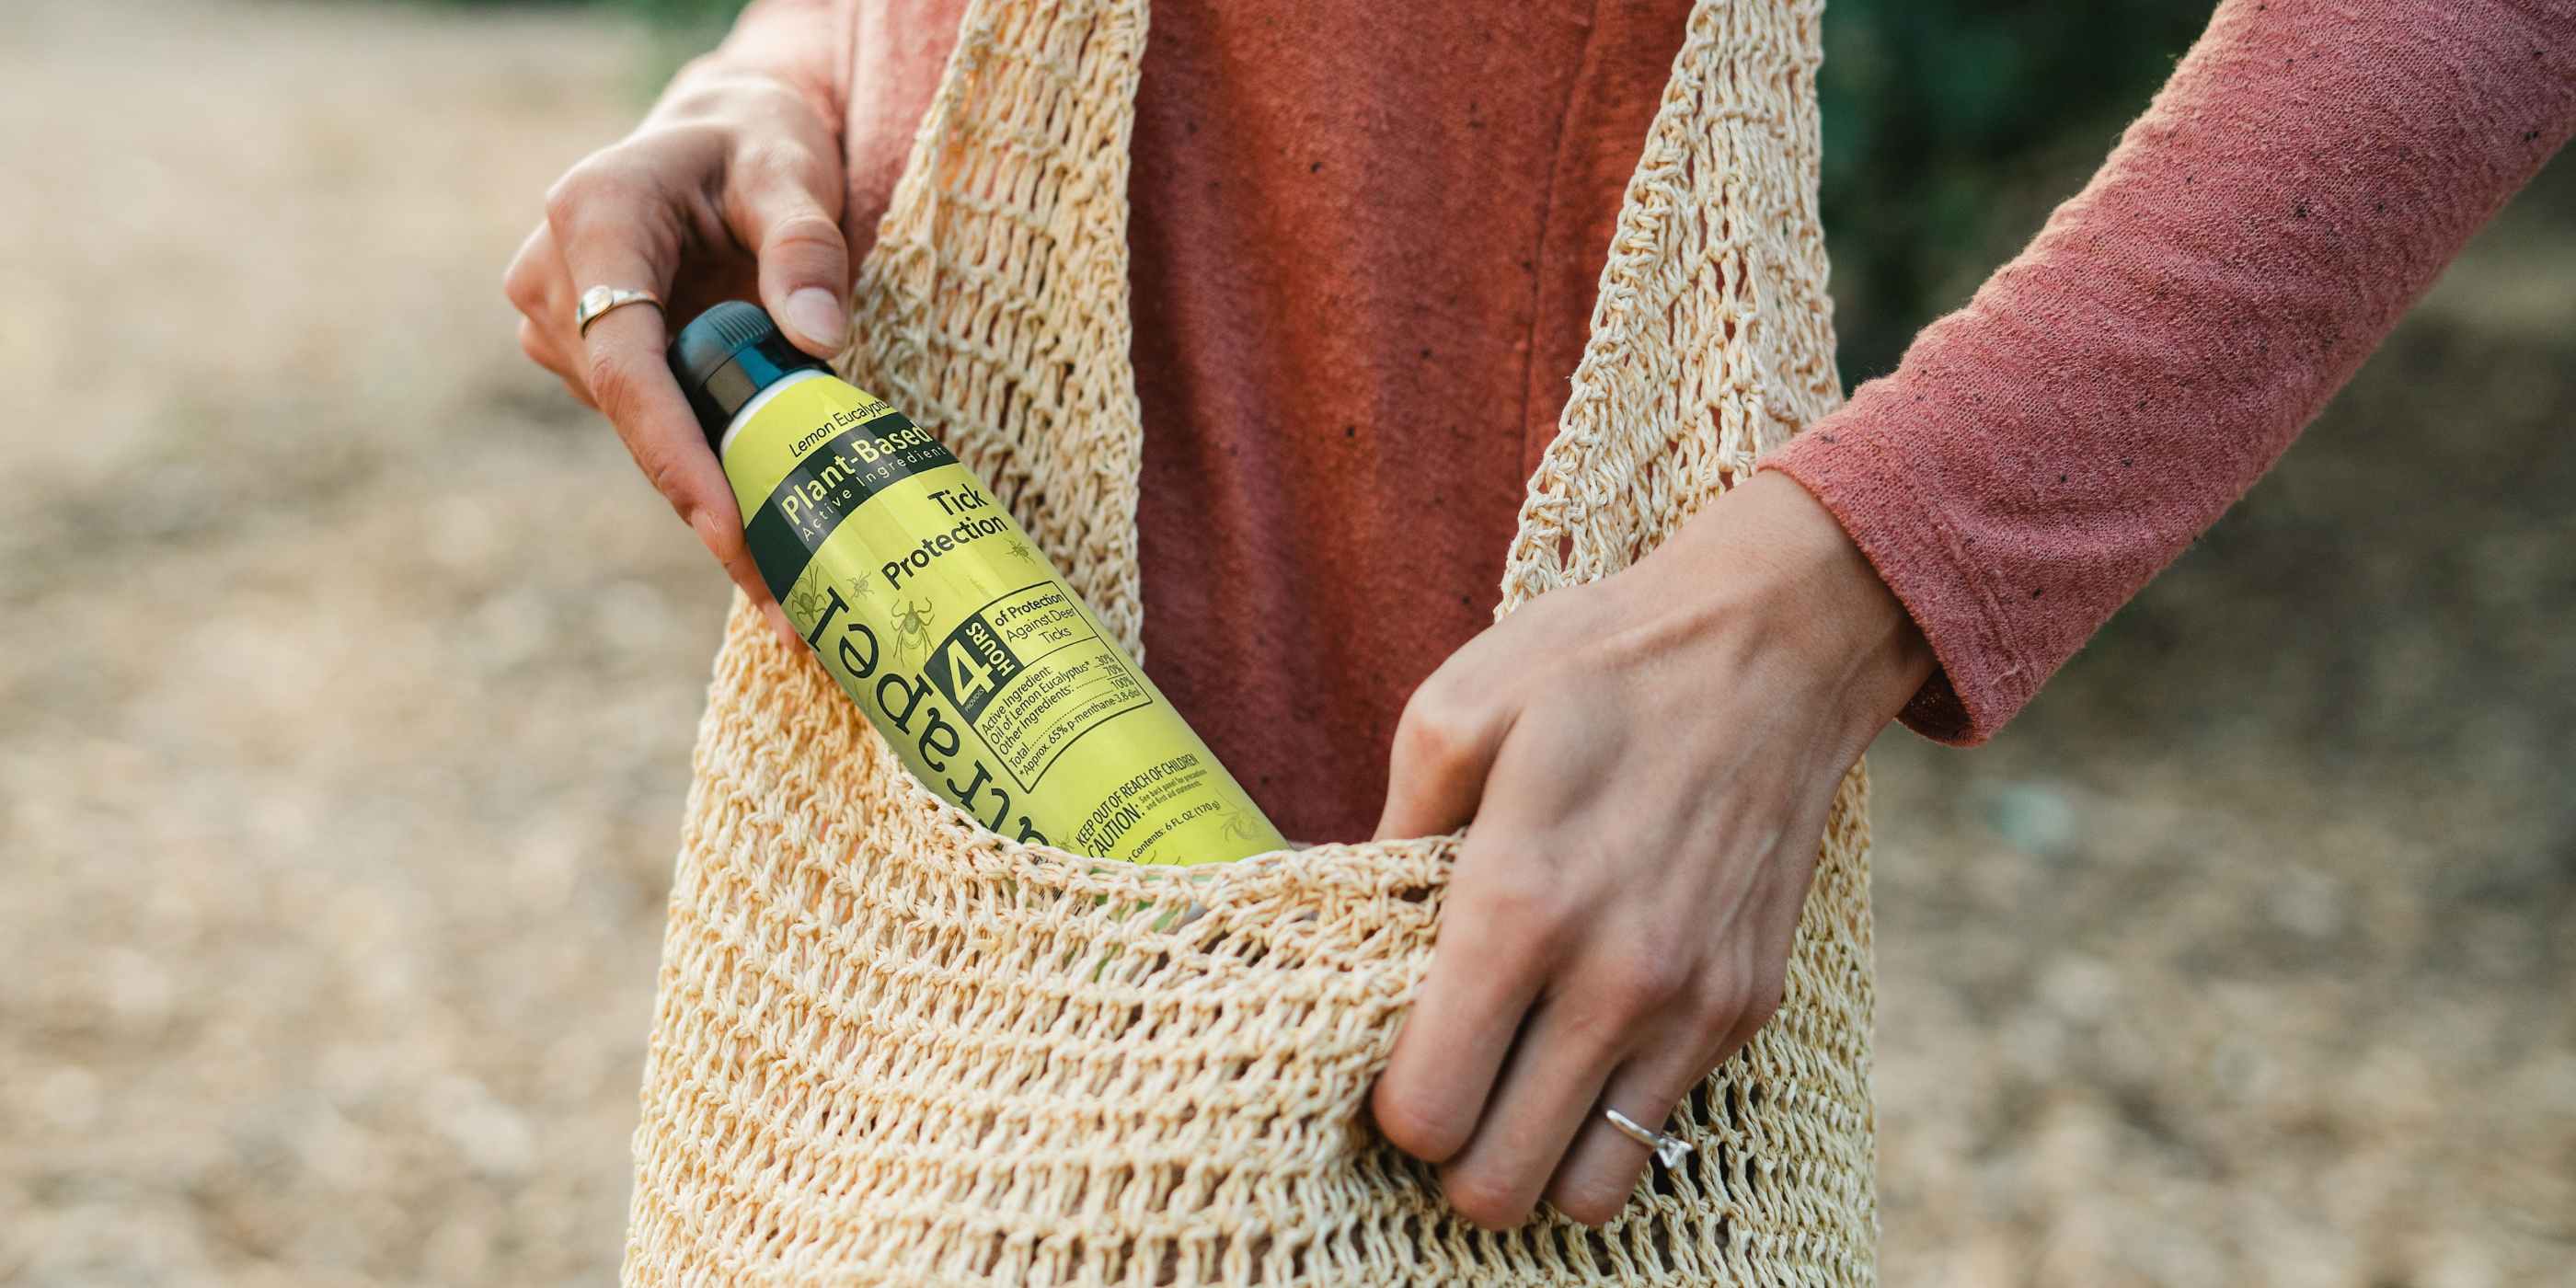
<point x="787" y="211"/>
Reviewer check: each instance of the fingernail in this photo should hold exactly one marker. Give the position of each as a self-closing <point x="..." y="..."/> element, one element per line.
<point x="817" y="316"/>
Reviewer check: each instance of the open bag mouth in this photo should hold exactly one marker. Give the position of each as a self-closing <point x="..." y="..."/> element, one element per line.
<point x="1301" y="893"/>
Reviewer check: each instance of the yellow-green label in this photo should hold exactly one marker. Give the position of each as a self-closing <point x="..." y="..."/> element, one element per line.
<point x="982" y="668"/>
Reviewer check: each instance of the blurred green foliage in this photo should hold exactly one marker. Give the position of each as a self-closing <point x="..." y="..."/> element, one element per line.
<point x="684" y="15"/>
<point x="1951" y="127"/>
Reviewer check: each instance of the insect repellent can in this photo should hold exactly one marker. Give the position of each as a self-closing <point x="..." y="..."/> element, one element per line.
<point x="934" y="611"/>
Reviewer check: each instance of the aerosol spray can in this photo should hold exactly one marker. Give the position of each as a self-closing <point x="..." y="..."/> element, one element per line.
<point x="923" y="597"/>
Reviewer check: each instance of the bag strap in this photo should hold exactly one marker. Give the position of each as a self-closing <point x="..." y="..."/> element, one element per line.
<point x="1712" y="333"/>
<point x="1023" y="365"/>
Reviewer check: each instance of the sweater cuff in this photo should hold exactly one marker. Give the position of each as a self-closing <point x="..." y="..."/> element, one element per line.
<point x="1844" y="461"/>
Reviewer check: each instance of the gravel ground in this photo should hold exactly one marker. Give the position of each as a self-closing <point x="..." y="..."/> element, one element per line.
<point x="336" y="833"/>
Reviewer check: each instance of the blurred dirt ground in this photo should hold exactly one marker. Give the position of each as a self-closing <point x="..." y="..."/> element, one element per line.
<point x="349" y="676"/>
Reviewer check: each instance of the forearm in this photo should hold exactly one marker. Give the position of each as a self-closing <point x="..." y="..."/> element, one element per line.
<point x="2045" y="451"/>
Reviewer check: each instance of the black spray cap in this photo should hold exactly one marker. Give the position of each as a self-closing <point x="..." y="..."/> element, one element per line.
<point x="726" y="356"/>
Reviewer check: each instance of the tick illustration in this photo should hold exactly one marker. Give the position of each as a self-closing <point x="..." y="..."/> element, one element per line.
<point x="805" y="599"/>
<point x="912" y="631"/>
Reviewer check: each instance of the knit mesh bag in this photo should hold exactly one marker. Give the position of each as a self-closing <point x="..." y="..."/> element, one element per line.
<point x="893" y="1047"/>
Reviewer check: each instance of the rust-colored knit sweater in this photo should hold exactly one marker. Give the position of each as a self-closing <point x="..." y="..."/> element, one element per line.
<point x="1365" y="242"/>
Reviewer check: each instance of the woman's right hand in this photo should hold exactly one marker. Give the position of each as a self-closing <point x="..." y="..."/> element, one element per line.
<point x="730" y="188"/>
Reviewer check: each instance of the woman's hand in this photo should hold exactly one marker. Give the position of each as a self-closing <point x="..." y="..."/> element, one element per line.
<point x="1645" y="764"/>
<point x="731" y="187"/>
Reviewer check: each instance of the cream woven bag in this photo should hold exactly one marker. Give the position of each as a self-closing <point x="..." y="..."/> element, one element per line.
<point x="891" y="1047"/>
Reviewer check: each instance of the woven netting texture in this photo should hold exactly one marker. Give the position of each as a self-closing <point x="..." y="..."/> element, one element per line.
<point x="892" y="1047"/>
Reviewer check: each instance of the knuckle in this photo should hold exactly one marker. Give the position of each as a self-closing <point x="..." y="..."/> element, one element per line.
<point x="728" y="99"/>
<point x="594" y="183"/>
<point x="1435" y="728"/>
<point x="1725" y="1002"/>
<point x="1640" y="983"/>
<point x="1764" y="999"/>
<point x="532" y="342"/>
<point x="1592" y="1202"/>
<point x="1738" y="1006"/>
<point x="698" y="97"/>
<point x="1485" y="1199"/>
<point x="781" y="195"/>
<point x="662" y="470"/>
<point x="523" y="285"/>
<point x="773" y="158"/>
<point x="808" y="232"/>
<point x="1714" y="1014"/>
<point x="612" y="385"/>
<point x="1419" y="1126"/>
<point x="1596" y="858"/>
<point x="1527" y="907"/>
<point x="566" y="197"/>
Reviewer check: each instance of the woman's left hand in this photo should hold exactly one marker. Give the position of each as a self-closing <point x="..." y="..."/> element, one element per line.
<point x="1645" y="765"/>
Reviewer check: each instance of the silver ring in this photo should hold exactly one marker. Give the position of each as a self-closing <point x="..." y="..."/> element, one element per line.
<point x="598" y="300"/>
<point x="1668" y="1149"/>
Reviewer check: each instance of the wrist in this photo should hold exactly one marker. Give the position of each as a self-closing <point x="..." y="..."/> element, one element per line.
<point x="1769" y="560"/>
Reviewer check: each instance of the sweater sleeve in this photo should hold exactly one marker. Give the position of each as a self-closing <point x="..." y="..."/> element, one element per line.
<point x="2042" y="453"/>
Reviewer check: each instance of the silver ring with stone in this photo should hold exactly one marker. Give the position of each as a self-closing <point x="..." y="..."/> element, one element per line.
<point x="1668" y="1149"/>
<point x="599" y="300"/>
